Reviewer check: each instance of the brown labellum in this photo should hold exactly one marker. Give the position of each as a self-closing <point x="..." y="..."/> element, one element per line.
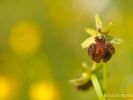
<point x="101" y="50"/>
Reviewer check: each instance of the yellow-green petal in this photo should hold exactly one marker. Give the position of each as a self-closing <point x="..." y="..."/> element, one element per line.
<point x="114" y="40"/>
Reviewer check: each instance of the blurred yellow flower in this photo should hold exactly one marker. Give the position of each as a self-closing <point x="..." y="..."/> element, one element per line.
<point x="5" y="88"/>
<point x="44" y="91"/>
<point x="25" y="38"/>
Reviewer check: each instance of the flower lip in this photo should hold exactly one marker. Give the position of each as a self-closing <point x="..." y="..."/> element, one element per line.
<point x="100" y="50"/>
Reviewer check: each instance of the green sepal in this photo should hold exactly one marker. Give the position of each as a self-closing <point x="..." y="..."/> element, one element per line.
<point x="92" y="32"/>
<point x="98" y="22"/>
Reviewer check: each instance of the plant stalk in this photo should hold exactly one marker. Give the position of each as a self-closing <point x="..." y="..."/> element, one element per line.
<point x="96" y="83"/>
<point x="104" y="77"/>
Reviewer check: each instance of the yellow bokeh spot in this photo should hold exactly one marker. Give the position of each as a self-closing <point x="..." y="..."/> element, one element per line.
<point x="25" y="38"/>
<point x="44" y="91"/>
<point x="5" y="88"/>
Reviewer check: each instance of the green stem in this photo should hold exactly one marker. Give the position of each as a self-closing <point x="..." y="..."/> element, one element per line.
<point x="96" y="83"/>
<point x="97" y="87"/>
<point x="94" y="66"/>
<point x="104" y="77"/>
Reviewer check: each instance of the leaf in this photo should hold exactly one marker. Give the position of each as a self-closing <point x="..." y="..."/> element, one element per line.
<point x="114" y="40"/>
<point x="87" y="42"/>
<point x="106" y="30"/>
<point x="98" y="22"/>
<point x="92" y="32"/>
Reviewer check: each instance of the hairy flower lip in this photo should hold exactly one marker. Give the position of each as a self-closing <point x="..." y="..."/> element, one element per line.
<point x="101" y="50"/>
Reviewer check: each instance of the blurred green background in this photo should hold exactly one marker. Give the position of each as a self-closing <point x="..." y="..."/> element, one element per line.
<point x="40" y="47"/>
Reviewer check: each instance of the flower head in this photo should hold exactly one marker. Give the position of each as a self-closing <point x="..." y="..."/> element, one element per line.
<point x="99" y="45"/>
<point x="83" y="82"/>
<point x="100" y="31"/>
